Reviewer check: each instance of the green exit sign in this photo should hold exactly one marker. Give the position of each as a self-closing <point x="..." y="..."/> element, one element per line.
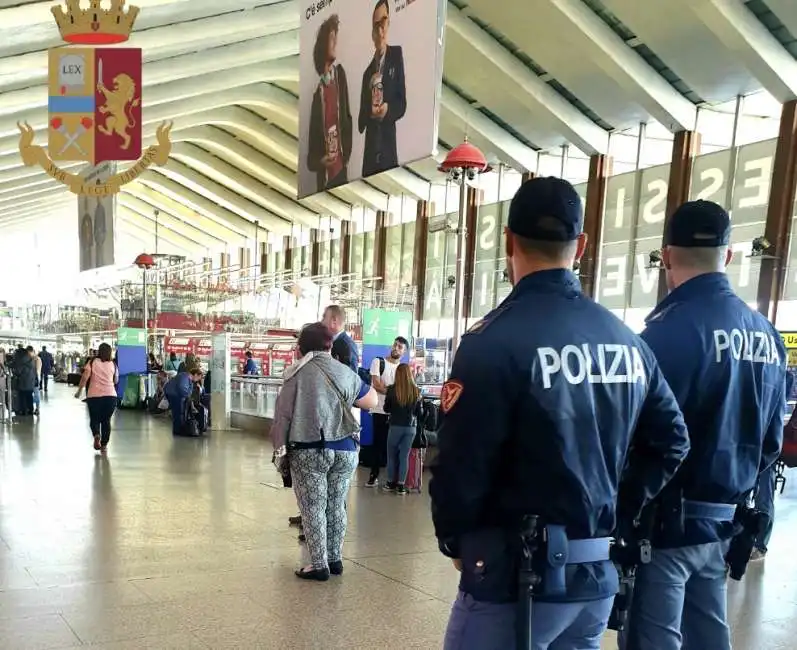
<point x="129" y="337"/>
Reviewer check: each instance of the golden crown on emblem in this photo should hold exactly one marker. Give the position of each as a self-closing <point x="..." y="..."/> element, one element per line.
<point x="95" y="25"/>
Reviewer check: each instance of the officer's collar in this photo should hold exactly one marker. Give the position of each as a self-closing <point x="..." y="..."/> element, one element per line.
<point x="561" y="280"/>
<point x="698" y="286"/>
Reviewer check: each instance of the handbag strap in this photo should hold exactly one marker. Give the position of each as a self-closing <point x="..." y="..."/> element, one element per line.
<point x="344" y="403"/>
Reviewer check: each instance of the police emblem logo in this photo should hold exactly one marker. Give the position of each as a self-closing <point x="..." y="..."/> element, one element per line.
<point x="95" y="100"/>
<point x="450" y="395"/>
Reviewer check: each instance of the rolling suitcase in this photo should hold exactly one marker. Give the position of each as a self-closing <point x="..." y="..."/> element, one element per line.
<point x="414" y="481"/>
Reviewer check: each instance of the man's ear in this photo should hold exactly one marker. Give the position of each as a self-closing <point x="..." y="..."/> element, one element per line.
<point x="581" y="245"/>
<point x="509" y="244"/>
<point x="728" y="256"/>
<point x="665" y="257"/>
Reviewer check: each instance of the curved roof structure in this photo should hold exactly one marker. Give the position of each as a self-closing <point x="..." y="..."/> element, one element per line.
<point x="519" y="78"/>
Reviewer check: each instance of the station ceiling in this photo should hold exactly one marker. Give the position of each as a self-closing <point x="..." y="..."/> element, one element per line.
<point x="519" y="77"/>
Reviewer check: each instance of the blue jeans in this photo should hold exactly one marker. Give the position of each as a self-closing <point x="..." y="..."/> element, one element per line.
<point x="477" y="625"/>
<point x="399" y="444"/>
<point x="765" y="501"/>
<point x="680" y="601"/>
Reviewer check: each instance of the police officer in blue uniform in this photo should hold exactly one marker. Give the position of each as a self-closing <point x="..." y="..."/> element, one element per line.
<point x="545" y="397"/>
<point x="726" y="365"/>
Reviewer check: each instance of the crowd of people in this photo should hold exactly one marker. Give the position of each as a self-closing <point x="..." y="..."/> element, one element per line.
<point x="24" y="376"/>
<point x="565" y="461"/>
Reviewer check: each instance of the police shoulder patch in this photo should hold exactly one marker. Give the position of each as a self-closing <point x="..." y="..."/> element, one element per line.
<point x="450" y="394"/>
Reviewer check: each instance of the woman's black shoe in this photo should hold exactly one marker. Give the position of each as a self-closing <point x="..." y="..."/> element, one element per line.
<point x="319" y="575"/>
<point x="336" y="568"/>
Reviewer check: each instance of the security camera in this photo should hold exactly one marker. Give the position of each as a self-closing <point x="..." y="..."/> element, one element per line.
<point x="332" y="230"/>
<point x="654" y="259"/>
<point x="505" y="275"/>
<point x="471" y="174"/>
<point x="760" y="246"/>
<point x="451" y="281"/>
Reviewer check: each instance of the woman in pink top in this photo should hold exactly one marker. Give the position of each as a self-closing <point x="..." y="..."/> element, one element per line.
<point x="101" y="377"/>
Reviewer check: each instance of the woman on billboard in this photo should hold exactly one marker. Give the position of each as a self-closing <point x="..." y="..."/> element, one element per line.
<point x="330" y="137"/>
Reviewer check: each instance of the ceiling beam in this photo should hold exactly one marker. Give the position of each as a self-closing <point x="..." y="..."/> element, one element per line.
<point x="181" y="211"/>
<point x="628" y="69"/>
<point x="572" y="123"/>
<point x="746" y="37"/>
<point x="171" y="71"/>
<point x="242" y="184"/>
<point x="191" y="231"/>
<point x="159" y="43"/>
<point x="201" y="205"/>
<point x="214" y="191"/>
<point x="257" y="164"/>
<point x="164" y="231"/>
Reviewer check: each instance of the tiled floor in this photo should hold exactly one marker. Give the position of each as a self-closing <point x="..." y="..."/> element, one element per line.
<point x="183" y="544"/>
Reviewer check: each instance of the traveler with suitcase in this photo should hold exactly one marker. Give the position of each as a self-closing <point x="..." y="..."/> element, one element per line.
<point x="404" y="409"/>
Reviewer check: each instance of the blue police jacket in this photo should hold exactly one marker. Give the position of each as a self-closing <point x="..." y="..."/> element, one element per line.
<point x="726" y="364"/>
<point x="545" y="397"/>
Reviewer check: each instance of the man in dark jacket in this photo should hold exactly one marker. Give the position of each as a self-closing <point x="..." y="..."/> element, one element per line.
<point x="25" y="375"/>
<point x="383" y="98"/>
<point x="344" y="349"/>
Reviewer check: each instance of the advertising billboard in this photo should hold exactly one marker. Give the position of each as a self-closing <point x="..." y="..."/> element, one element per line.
<point x="369" y="87"/>
<point x="96" y="220"/>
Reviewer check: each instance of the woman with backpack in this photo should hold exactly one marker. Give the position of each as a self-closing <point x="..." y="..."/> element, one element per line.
<point x="100" y="377"/>
<point x="404" y="408"/>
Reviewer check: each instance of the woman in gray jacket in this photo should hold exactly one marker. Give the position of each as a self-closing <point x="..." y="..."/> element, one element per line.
<point x="314" y="423"/>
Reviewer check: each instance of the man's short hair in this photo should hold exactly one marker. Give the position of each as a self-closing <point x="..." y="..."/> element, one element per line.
<point x="552" y="251"/>
<point x="336" y="311"/>
<point x="403" y="341"/>
<point x="699" y="258"/>
<point x="380" y="3"/>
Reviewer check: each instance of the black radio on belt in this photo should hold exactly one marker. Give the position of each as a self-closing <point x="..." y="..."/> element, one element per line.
<point x="627" y="557"/>
<point x="750" y="524"/>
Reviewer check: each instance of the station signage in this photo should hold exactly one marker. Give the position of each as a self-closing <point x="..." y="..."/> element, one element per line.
<point x="626" y="277"/>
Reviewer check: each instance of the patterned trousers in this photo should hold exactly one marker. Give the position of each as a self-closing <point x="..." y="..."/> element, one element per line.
<point x="321" y="480"/>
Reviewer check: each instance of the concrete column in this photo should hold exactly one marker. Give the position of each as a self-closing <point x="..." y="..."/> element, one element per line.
<point x="474" y="200"/>
<point x="315" y="252"/>
<point x="600" y="168"/>
<point x="345" y="247"/>
<point x="380" y="248"/>
<point x="685" y="146"/>
<point x="779" y="215"/>
<point x="287" y="248"/>
<point x="419" y="259"/>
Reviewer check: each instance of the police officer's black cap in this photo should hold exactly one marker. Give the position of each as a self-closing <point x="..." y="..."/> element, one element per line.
<point x="546" y="209"/>
<point x="698" y="224"/>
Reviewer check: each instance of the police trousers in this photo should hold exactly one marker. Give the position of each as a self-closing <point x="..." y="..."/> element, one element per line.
<point x="680" y="601"/>
<point x="765" y="501"/>
<point x="478" y="625"/>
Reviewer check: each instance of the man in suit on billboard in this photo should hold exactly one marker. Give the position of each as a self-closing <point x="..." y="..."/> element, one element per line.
<point x="383" y="100"/>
